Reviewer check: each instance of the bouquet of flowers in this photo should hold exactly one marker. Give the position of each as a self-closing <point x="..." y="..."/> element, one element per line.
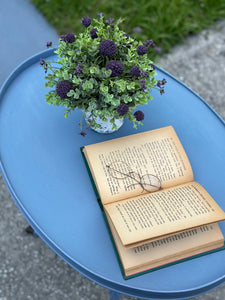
<point x="103" y="71"/>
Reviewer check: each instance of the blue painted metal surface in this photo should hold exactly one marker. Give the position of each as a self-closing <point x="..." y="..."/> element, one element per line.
<point x="42" y="167"/>
<point x="114" y="295"/>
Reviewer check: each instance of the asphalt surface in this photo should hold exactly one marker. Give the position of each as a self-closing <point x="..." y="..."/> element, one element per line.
<point x="28" y="268"/>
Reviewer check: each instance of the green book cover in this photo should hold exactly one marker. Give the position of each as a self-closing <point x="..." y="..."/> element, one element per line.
<point x="114" y="245"/>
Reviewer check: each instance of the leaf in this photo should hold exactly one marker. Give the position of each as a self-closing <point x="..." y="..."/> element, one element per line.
<point x="71" y="52"/>
<point x="104" y="89"/>
<point x="70" y="93"/>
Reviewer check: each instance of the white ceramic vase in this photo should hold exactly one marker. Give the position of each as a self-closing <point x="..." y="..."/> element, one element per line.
<point x="105" y="126"/>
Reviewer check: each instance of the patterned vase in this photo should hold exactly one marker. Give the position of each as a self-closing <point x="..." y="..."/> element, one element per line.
<point x="105" y="126"/>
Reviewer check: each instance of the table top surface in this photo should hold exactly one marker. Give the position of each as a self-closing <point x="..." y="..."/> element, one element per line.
<point x="41" y="164"/>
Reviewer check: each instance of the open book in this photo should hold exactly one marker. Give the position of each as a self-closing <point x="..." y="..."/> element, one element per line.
<point x="156" y="212"/>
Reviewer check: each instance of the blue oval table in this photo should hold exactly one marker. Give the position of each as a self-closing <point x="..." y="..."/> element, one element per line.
<point x="41" y="164"/>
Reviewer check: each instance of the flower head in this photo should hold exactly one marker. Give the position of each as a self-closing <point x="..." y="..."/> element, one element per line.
<point x="93" y="33"/>
<point x="153" y="67"/>
<point x="100" y="15"/>
<point x="144" y="74"/>
<point x="79" y="69"/>
<point x="135" y="71"/>
<point x="127" y="36"/>
<point x="158" y="49"/>
<point x="137" y="29"/>
<point x="107" y="48"/>
<point x="116" y="67"/>
<point x="162" y="91"/>
<point x="160" y="84"/>
<point x="141" y="50"/>
<point x="63" y="87"/>
<point x="149" y="43"/>
<point x="86" y="21"/>
<point x="69" y="37"/>
<point x="44" y="65"/>
<point x="139" y="115"/>
<point x="143" y="86"/>
<point x="122" y="109"/>
<point x="49" y="44"/>
<point x="82" y="133"/>
<point x="110" y="21"/>
<point x="42" y="62"/>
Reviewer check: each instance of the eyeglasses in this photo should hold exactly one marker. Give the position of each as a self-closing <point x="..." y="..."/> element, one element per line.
<point x="121" y="170"/>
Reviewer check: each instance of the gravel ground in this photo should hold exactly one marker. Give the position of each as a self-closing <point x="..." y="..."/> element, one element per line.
<point x="28" y="268"/>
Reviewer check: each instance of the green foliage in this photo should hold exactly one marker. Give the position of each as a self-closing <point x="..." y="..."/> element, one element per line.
<point x="94" y="88"/>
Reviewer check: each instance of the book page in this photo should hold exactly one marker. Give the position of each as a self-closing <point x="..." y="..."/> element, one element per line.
<point x="168" y="250"/>
<point x="169" y="211"/>
<point x="157" y="152"/>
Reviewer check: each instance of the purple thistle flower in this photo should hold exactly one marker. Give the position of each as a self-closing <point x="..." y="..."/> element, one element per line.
<point x="62" y="88"/>
<point x="149" y="43"/>
<point x="62" y="37"/>
<point x="83" y="133"/>
<point x="159" y="83"/>
<point x="69" y="37"/>
<point x="110" y="21"/>
<point x="143" y="86"/>
<point x="100" y="15"/>
<point x="49" y="44"/>
<point x="107" y="48"/>
<point x="110" y="29"/>
<point x="153" y="67"/>
<point x="137" y="29"/>
<point x="42" y="62"/>
<point x="144" y="74"/>
<point x="162" y="91"/>
<point x="139" y="115"/>
<point x="116" y="67"/>
<point x="158" y="49"/>
<point x="141" y="50"/>
<point x="127" y="36"/>
<point x="86" y="21"/>
<point x="46" y="68"/>
<point x="122" y="109"/>
<point x="164" y="81"/>
<point x="135" y="71"/>
<point x="79" y="69"/>
<point x="93" y="33"/>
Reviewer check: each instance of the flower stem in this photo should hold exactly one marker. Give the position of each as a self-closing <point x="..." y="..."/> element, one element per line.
<point x="82" y="116"/>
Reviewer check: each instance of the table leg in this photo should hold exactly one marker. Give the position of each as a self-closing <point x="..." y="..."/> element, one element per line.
<point x="114" y="295"/>
<point x="30" y="230"/>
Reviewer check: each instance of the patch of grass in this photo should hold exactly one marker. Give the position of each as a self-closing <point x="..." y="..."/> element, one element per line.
<point x="167" y="22"/>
